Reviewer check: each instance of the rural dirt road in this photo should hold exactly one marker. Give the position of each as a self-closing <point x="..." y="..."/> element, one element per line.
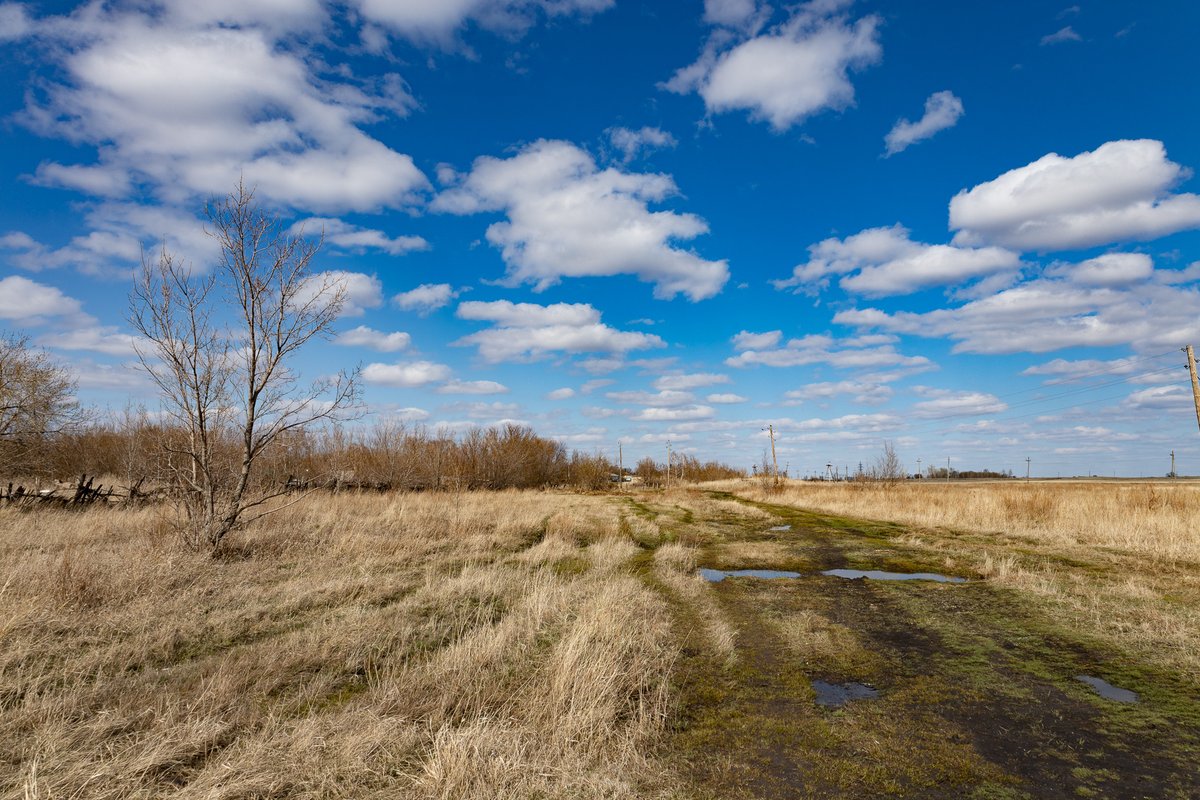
<point x="976" y="687"/>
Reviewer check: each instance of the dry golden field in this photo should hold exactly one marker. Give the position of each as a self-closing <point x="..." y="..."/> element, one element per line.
<point x="434" y="645"/>
<point x="558" y="645"/>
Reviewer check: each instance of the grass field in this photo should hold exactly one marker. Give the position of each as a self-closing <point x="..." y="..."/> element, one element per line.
<point x="525" y="644"/>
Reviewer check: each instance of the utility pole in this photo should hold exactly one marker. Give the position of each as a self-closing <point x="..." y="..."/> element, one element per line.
<point x="1027" y="469"/>
<point x="668" y="463"/>
<point x="621" y="466"/>
<point x="1173" y="474"/>
<point x="774" y="461"/>
<point x="1191" y="358"/>
<point x="918" y="468"/>
<point x="947" y="469"/>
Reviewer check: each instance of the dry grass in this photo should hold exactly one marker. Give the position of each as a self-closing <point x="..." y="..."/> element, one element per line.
<point x="1118" y="559"/>
<point x="444" y="646"/>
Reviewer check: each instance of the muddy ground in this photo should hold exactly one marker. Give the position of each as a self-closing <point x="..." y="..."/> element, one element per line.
<point x="977" y="695"/>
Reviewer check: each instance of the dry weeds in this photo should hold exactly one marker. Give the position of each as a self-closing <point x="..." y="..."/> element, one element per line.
<point x="435" y="645"/>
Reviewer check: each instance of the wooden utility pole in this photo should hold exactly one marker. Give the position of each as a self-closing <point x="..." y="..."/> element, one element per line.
<point x="1173" y="475"/>
<point x="620" y="466"/>
<point x="947" y="469"/>
<point x="1191" y="357"/>
<point x="668" y="463"/>
<point x="1027" y="469"/>
<point x="774" y="461"/>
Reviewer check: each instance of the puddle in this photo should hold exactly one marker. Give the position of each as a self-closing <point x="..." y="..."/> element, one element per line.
<point x="780" y="528"/>
<point x="834" y="695"/>
<point x="718" y="575"/>
<point x="880" y="575"/>
<point x="1107" y="690"/>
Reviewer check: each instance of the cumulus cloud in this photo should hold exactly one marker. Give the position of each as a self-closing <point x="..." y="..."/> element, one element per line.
<point x="884" y="261"/>
<point x="746" y="340"/>
<point x="788" y="73"/>
<point x="942" y="110"/>
<point x="1048" y="314"/>
<point x="472" y="387"/>
<point x="569" y="219"/>
<point x="405" y="375"/>
<point x="662" y="399"/>
<point x="25" y="301"/>
<point x="865" y="391"/>
<point x="439" y="20"/>
<point x="565" y="393"/>
<point x="527" y="331"/>
<point x="426" y="298"/>
<point x="861" y="352"/>
<point x="361" y="291"/>
<point x="674" y="414"/>
<point x="340" y="233"/>
<point x="633" y="143"/>
<point x="15" y="22"/>
<point x="384" y="342"/>
<point x="1113" y="270"/>
<point x="725" y="398"/>
<point x="188" y="97"/>
<point x="738" y="14"/>
<point x="943" y="403"/>
<point x="97" y="339"/>
<point x="693" y="380"/>
<point x="1119" y="191"/>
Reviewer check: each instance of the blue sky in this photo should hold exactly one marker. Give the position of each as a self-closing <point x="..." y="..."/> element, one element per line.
<point x="971" y="229"/>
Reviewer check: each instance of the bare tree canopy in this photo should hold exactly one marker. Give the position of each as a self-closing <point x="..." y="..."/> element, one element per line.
<point x="222" y="350"/>
<point x="37" y="401"/>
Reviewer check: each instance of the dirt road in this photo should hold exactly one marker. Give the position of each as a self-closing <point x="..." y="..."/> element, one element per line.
<point x="964" y="690"/>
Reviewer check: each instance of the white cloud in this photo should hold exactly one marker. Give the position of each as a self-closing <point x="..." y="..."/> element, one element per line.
<point x="595" y="383"/>
<point x="1113" y="270"/>
<point x="859" y="353"/>
<point x="1161" y="398"/>
<point x="96" y="339"/>
<point x="1046" y="314"/>
<point x="1064" y="34"/>
<point x="942" y="110"/>
<point x="352" y="237"/>
<point x="1119" y="191"/>
<point x="426" y="298"/>
<point x="438" y="20"/>
<point x="472" y="387"/>
<point x="405" y="374"/>
<point x="25" y="301"/>
<point x="187" y="100"/>
<point x="662" y="399"/>
<point x="1067" y="371"/>
<point x="527" y="331"/>
<point x="361" y="291"/>
<point x="693" y="380"/>
<point x="726" y="398"/>
<point x="565" y="393"/>
<point x="794" y="70"/>
<point x="383" y="341"/>
<point x="15" y="22"/>
<point x="872" y="391"/>
<point x="633" y="143"/>
<point x="948" y="403"/>
<point x="746" y="340"/>
<point x="674" y="414"/>
<point x="738" y="14"/>
<point x="568" y="219"/>
<point x="885" y="261"/>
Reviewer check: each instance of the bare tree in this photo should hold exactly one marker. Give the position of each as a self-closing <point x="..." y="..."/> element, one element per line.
<point x="222" y="349"/>
<point x="888" y="467"/>
<point x="37" y="402"/>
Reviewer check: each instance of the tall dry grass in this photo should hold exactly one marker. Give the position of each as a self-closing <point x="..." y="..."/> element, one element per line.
<point x="1152" y="520"/>
<point x="424" y="646"/>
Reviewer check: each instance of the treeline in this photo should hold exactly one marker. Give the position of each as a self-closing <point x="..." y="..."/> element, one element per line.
<point x="385" y="456"/>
